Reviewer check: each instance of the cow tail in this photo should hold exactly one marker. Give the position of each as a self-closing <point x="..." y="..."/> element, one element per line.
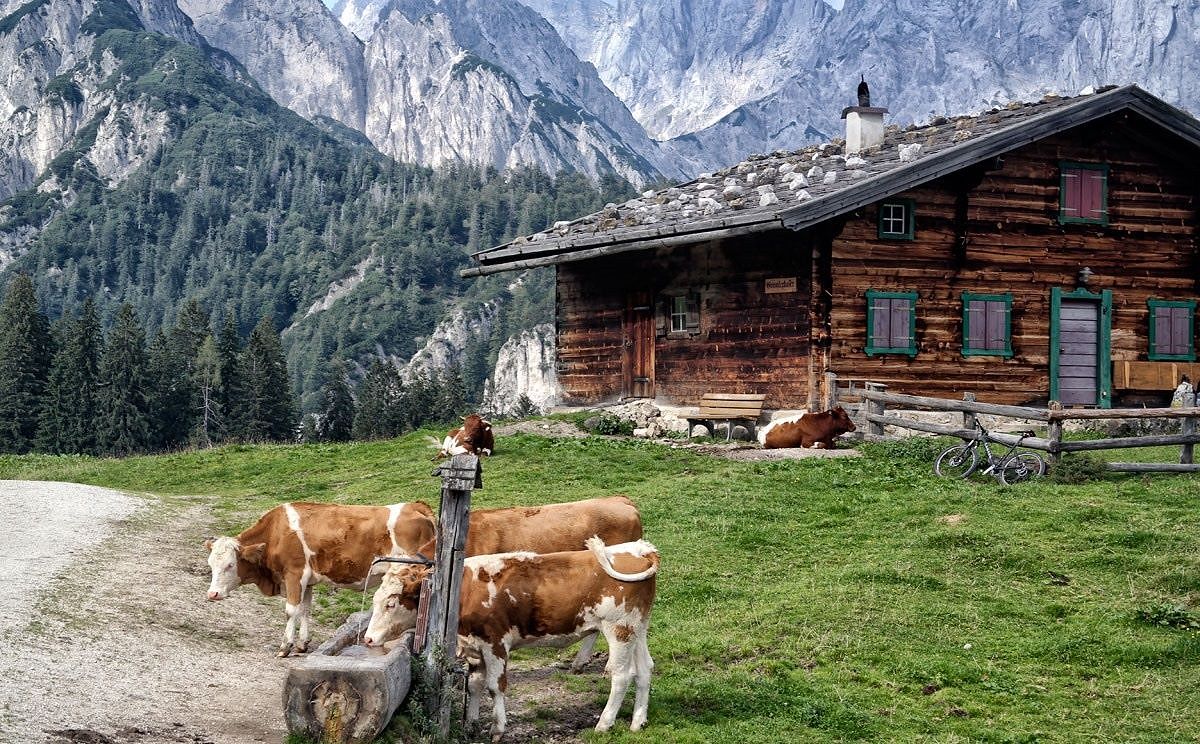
<point x="600" y="550"/>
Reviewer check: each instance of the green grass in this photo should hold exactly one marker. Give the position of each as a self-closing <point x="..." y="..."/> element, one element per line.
<point x="824" y="600"/>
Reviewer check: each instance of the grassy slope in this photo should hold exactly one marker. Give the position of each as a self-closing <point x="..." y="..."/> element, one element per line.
<point x="824" y="600"/>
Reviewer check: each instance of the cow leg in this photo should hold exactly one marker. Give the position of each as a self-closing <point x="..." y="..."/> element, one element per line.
<point x="585" y="652"/>
<point x="495" y="664"/>
<point x="645" y="665"/>
<point x="621" y="656"/>
<point x="476" y="683"/>
<point x="294" y="596"/>
<point x="305" y="616"/>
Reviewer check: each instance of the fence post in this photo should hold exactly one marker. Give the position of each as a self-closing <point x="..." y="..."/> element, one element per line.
<point x="459" y="477"/>
<point x="876" y="407"/>
<point x="1054" y="431"/>
<point x="969" y="416"/>
<point x="831" y="391"/>
<point x="1185" y="452"/>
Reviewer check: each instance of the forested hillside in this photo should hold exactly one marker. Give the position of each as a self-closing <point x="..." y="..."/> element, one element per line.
<point x="255" y="213"/>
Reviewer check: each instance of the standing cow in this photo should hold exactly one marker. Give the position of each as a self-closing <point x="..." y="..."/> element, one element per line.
<point x="473" y="437"/>
<point x="807" y="429"/>
<point x="512" y="600"/>
<point x="294" y="547"/>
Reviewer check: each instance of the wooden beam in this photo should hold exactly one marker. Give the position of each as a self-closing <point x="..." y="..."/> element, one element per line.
<point x="941" y="404"/>
<point x="1093" y="414"/>
<point x="1152" y="467"/>
<point x="1156" y="440"/>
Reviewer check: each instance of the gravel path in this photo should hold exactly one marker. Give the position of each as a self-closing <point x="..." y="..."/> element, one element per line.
<point x="111" y="640"/>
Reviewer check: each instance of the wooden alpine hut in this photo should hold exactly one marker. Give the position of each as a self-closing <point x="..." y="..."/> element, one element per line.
<point x="1033" y="252"/>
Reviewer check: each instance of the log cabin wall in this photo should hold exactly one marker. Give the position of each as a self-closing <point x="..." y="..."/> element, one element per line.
<point x="746" y="340"/>
<point x="1014" y="243"/>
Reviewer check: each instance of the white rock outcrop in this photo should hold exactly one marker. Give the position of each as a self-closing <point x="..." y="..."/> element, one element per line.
<point x="525" y="366"/>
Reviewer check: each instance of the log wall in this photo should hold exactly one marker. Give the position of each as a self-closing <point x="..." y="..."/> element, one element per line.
<point x="748" y="341"/>
<point x="1014" y="243"/>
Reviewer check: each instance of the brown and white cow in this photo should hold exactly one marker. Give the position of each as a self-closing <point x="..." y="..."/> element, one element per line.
<point x="806" y="429"/>
<point x="296" y="546"/>
<point x="512" y="600"/>
<point x="474" y="436"/>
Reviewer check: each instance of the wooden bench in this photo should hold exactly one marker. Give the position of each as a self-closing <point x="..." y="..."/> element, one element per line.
<point x="730" y="408"/>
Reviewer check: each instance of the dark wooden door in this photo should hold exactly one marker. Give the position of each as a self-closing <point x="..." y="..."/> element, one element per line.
<point x="1079" y="352"/>
<point x="639" y="346"/>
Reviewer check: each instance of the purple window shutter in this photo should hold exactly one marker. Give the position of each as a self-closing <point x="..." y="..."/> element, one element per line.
<point x="1093" y="194"/>
<point x="1162" y="330"/>
<point x="880" y="315"/>
<point x="996" y="312"/>
<point x="976" y="324"/>
<point x="899" y="329"/>
<point x="1071" y="200"/>
<point x="1179" y="330"/>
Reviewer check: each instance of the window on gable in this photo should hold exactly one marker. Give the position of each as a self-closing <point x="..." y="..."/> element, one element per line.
<point x="987" y="324"/>
<point x="679" y="314"/>
<point x="891" y="323"/>
<point x="1083" y="193"/>
<point x="896" y="220"/>
<point x="1172" y="325"/>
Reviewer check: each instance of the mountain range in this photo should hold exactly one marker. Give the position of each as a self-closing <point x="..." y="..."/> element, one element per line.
<point x="332" y="167"/>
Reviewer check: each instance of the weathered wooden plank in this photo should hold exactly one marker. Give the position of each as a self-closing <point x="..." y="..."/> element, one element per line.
<point x="940" y="404"/>
<point x="1156" y="440"/>
<point x="1153" y="467"/>
<point x="1093" y="414"/>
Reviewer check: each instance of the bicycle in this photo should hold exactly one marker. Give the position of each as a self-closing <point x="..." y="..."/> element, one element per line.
<point x="1013" y="466"/>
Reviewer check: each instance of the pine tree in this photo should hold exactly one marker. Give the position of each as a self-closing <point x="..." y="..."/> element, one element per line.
<point x="68" y="417"/>
<point x="452" y="401"/>
<point x="270" y="414"/>
<point x="206" y="379"/>
<point x="123" y="422"/>
<point x="172" y="372"/>
<point x="230" y="392"/>
<point x="377" y="415"/>
<point x="25" y="356"/>
<point x="337" y="414"/>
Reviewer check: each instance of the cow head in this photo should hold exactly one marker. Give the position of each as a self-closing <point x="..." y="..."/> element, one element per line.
<point x="394" y="607"/>
<point x="232" y="564"/>
<point x="841" y="420"/>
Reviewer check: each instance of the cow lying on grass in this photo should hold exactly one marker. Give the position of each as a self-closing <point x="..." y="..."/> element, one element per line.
<point x="806" y="429"/>
<point x="512" y="600"/>
<point x="473" y="437"/>
<point x="296" y="546"/>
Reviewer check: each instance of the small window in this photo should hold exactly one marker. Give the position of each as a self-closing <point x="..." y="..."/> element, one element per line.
<point x="679" y="315"/>
<point x="896" y="220"/>
<point x="891" y="323"/>
<point x="987" y="324"/>
<point x="1083" y="193"/>
<point x="1172" y="327"/>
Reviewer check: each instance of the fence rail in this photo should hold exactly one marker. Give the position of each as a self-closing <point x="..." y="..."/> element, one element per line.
<point x="876" y="399"/>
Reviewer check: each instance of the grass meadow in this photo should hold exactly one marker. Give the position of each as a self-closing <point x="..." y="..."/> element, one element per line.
<point x="823" y="600"/>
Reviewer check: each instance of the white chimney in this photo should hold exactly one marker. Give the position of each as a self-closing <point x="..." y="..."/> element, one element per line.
<point x="864" y="123"/>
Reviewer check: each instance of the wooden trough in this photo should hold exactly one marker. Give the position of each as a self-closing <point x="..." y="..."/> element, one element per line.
<point x="346" y="693"/>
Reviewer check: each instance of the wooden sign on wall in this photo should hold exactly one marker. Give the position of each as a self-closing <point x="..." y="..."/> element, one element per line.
<point x="781" y="285"/>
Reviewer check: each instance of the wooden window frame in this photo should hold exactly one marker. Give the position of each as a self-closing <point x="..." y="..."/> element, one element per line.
<point x="666" y="314"/>
<point x="674" y="311"/>
<point x="1006" y="298"/>
<point x="1063" y="217"/>
<point x="1190" y="356"/>
<point x="910" y="221"/>
<point x="911" y="349"/>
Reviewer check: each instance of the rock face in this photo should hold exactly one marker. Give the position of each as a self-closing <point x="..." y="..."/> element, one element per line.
<point x="445" y="349"/>
<point x="434" y="82"/>
<point x="525" y="366"/>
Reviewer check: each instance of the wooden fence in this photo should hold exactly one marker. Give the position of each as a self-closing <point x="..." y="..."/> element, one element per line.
<point x="876" y="399"/>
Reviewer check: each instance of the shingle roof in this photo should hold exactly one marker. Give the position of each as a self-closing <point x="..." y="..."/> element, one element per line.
<point x="803" y="187"/>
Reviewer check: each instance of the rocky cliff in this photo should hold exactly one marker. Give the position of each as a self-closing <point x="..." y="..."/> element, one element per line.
<point x="526" y="368"/>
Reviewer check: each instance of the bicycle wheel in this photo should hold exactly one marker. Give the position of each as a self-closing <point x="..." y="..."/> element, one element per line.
<point x="958" y="461"/>
<point x="1021" y="466"/>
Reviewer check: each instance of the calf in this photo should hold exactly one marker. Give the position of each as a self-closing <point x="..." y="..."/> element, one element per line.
<point x="293" y="547"/>
<point x="474" y="436"/>
<point x="512" y="600"/>
<point x="807" y="429"/>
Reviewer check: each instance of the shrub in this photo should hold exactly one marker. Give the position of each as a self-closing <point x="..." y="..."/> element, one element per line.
<point x="1169" y="616"/>
<point x="612" y="424"/>
<point x="1076" y="469"/>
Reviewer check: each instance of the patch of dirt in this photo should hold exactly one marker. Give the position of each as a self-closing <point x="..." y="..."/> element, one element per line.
<point x="546" y="703"/>
<point x="541" y="428"/>
<point x="122" y="647"/>
<point x="953" y="519"/>
<point x="751" y="453"/>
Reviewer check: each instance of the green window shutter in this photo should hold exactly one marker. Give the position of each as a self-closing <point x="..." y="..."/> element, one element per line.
<point x="693" y="313"/>
<point x="987" y="324"/>
<point x="891" y="323"/>
<point x="1172" y="330"/>
<point x="1083" y="193"/>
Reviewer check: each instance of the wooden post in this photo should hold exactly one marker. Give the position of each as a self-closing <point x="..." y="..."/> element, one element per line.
<point x="831" y="390"/>
<point x="1185" y="451"/>
<point x="876" y="407"/>
<point x="1054" y="434"/>
<point x="459" y="477"/>
<point x="969" y="416"/>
